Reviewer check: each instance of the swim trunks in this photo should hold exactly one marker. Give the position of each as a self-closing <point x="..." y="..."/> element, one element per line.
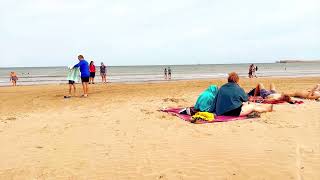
<point x="85" y="79"/>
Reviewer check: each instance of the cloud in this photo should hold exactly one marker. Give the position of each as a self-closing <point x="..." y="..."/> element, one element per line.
<point x="123" y="32"/>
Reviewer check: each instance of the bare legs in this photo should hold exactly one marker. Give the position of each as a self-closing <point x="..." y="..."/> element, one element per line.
<point x="70" y="89"/>
<point x="104" y="78"/>
<point x="14" y="83"/>
<point x="249" y="108"/>
<point x="91" y="80"/>
<point x="85" y="88"/>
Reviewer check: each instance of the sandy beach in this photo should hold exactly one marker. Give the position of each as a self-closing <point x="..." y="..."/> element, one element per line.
<point x="118" y="133"/>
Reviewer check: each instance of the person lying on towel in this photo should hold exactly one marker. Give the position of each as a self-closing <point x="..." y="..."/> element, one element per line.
<point x="231" y="100"/>
<point x="270" y="94"/>
<point x="313" y="94"/>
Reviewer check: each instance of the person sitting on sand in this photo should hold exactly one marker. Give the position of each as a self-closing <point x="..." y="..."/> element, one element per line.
<point x="85" y="74"/>
<point x="231" y="100"/>
<point x="13" y="78"/>
<point x="270" y="94"/>
<point x="313" y="94"/>
<point x="206" y="100"/>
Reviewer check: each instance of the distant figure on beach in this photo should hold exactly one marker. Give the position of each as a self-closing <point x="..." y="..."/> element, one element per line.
<point x="254" y="69"/>
<point x="85" y="74"/>
<point x="231" y="100"/>
<point x="103" y="73"/>
<point x="73" y="77"/>
<point x="313" y="94"/>
<point x="13" y="78"/>
<point x="92" y="69"/>
<point x="250" y="71"/>
<point x="169" y="73"/>
<point x="165" y="74"/>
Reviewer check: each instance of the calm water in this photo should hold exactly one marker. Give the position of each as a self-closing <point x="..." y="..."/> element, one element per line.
<point x="47" y="75"/>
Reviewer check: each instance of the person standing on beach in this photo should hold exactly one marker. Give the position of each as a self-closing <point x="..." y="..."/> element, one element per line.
<point x="169" y="73"/>
<point x="92" y="69"/>
<point x="103" y="73"/>
<point x="165" y="74"/>
<point x="85" y="74"/>
<point x="13" y="78"/>
<point x="250" y="71"/>
<point x="73" y="77"/>
<point x="254" y="69"/>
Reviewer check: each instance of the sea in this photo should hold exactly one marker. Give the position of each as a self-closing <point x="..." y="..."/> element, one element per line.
<point x="134" y="74"/>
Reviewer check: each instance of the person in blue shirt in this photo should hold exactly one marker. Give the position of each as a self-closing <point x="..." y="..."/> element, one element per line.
<point x="232" y="100"/>
<point x="85" y="74"/>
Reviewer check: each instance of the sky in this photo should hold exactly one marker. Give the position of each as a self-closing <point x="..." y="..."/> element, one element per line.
<point x="153" y="32"/>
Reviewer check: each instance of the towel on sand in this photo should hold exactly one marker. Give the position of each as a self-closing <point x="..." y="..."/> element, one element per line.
<point x="175" y="111"/>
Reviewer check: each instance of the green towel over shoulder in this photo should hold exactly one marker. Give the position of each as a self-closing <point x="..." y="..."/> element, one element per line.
<point x="73" y="74"/>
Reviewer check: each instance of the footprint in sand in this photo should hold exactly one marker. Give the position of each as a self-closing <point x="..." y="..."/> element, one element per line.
<point x="11" y="118"/>
<point x="175" y="100"/>
<point x="146" y="111"/>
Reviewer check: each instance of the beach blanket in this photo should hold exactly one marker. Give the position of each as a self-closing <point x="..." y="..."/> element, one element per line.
<point x="259" y="99"/>
<point x="175" y="112"/>
<point x="73" y="74"/>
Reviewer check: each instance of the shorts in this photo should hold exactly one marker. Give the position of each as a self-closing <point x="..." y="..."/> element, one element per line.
<point x="85" y="79"/>
<point x="265" y="93"/>
<point x="103" y="74"/>
<point x="92" y="74"/>
<point x="14" y="78"/>
<point x="71" y="82"/>
<point x="234" y="112"/>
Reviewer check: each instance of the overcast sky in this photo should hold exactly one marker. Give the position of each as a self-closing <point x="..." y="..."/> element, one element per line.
<point x="141" y="32"/>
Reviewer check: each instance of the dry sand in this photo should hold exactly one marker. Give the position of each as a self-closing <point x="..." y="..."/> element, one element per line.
<point x="117" y="133"/>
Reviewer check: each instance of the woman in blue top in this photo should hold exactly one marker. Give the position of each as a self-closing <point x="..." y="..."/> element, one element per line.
<point x="231" y="100"/>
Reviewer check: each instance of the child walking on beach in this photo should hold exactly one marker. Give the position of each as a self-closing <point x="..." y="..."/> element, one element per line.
<point x="85" y="74"/>
<point x="73" y="77"/>
<point x="13" y="78"/>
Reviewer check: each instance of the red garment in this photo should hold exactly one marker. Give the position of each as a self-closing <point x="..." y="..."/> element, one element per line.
<point x="92" y="68"/>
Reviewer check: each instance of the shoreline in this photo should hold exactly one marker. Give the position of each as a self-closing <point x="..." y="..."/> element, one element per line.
<point x="166" y="81"/>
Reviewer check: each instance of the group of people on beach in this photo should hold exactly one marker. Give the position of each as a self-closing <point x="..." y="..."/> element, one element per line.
<point x="88" y="72"/>
<point x="252" y="71"/>
<point x="167" y="73"/>
<point x="231" y="100"/>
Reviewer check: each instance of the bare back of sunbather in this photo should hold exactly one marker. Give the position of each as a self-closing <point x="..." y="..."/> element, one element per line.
<point x="308" y="94"/>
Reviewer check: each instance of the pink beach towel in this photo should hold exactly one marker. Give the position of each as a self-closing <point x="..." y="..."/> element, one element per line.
<point x="175" y="112"/>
